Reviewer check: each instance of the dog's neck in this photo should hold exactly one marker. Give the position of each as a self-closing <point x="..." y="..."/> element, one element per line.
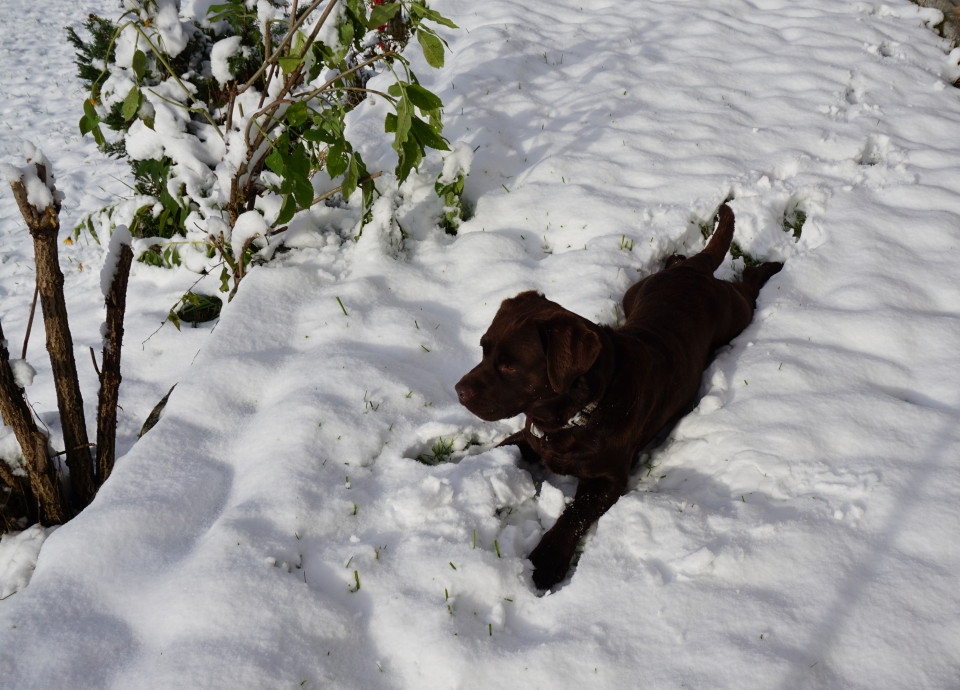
<point x="581" y="418"/>
<point x="580" y="402"/>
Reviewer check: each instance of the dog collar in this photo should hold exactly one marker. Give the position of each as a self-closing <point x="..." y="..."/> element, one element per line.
<point x="581" y="418"/>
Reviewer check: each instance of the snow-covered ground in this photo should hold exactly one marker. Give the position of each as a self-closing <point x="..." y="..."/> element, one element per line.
<point x="799" y="529"/>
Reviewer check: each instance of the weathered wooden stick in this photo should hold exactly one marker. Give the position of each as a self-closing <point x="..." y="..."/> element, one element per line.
<point x="110" y="367"/>
<point x="33" y="443"/>
<point x="44" y="226"/>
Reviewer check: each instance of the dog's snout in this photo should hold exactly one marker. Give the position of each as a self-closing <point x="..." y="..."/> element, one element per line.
<point x="465" y="391"/>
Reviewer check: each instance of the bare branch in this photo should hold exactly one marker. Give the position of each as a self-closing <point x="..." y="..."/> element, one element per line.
<point x="44" y="226"/>
<point x="110" y="376"/>
<point x="329" y="194"/>
<point x="33" y="311"/>
<point x="289" y="37"/>
<point x="33" y="445"/>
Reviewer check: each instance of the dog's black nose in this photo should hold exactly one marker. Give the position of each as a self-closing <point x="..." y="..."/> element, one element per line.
<point x="464" y="391"/>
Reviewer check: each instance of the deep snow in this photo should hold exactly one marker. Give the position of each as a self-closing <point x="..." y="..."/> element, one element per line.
<point x="798" y="529"/>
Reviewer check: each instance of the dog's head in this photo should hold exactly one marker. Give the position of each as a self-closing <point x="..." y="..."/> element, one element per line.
<point x="533" y="353"/>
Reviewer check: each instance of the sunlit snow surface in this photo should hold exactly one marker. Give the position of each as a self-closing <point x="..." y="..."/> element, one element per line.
<point x="797" y="530"/>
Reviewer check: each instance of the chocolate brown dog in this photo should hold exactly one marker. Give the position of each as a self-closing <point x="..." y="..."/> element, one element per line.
<point x="594" y="396"/>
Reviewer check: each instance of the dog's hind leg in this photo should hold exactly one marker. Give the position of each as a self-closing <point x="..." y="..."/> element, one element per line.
<point x="754" y="278"/>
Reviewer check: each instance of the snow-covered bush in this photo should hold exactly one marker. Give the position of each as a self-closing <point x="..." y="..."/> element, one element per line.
<point x="229" y="113"/>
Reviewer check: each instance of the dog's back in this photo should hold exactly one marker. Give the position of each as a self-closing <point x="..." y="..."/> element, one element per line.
<point x="686" y="299"/>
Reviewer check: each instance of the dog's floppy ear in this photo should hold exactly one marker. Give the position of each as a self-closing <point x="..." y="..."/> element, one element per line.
<point x="571" y="348"/>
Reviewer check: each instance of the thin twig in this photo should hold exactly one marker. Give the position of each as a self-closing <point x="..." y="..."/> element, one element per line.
<point x="363" y="89"/>
<point x="329" y="194"/>
<point x="93" y="358"/>
<point x="289" y="37"/>
<point x="64" y="452"/>
<point x="341" y="75"/>
<point x="176" y="78"/>
<point x="33" y="310"/>
<point x="143" y="343"/>
<point x="267" y="48"/>
<point x="197" y="111"/>
<point x="266" y="86"/>
<point x="294" y="6"/>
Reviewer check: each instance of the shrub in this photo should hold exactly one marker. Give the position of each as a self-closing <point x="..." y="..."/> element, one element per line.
<point x="227" y="117"/>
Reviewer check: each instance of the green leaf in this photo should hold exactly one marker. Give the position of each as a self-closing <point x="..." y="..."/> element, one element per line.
<point x="327" y="126"/>
<point x="368" y="188"/>
<point x="337" y="161"/>
<point x="422" y="98"/>
<point x="346" y="33"/>
<point x="224" y="280"/>
<point x="390" y="123"/>
<point x="92" y="230"/>
<point x="427" y="136"/>
<point x="302" y="191"/>
<point x="287" y="210"/>
<point x="98" y="136"/>
<point x="289" y="64"/>
<point x="432" y="48"/>
<point x="357" y="11"/>
<point x="350" y="178"/>
<point x="402" y="129"/>
<point x="224" y="8"/>
<point x="234" y="13"/>
<point x="382" y="14"/>
<point x="317" y="135"/>
<point x="139" y="64"/>
<point x="275" y="162"/>
<point x="423" y="12"/>
<point x="410" y="156"/>
<point x="86" y="125"/>
<point x="295" y="172"/>
<point x="298" y="44"/>
<point x="131" y="104"/>
<point x="297" y="114"/>
<point x="298" y="160"/>
<point x="90" y="112"/>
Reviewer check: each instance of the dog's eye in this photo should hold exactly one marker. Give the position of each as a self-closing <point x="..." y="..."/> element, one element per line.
<point x="507" y="369"/>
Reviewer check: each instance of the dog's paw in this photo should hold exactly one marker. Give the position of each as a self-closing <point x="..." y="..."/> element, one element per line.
<point x="550" y="565"/>
<point x="519" y="440"/>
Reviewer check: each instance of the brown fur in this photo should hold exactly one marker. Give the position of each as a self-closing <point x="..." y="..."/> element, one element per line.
<point x="550" y="364"/>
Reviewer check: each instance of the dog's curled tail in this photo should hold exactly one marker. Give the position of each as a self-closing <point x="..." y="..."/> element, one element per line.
<point x="719" y="243"/>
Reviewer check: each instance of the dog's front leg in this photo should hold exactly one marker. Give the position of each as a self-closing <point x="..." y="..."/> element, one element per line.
<point x="551" y="558"/>
<point x="526" y="450"/>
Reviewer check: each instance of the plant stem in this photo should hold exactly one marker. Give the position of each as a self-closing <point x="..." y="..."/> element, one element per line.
<point x="176" y="78"/>
<point x="44" y="226"/>
<point x="33" y="311"/>
<point x="327" y="195"/>
<point x="291" y="32"/>
<point x="110" y="376"/>
<point x="341" y="75"/>
<point x="33" y="443"/>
